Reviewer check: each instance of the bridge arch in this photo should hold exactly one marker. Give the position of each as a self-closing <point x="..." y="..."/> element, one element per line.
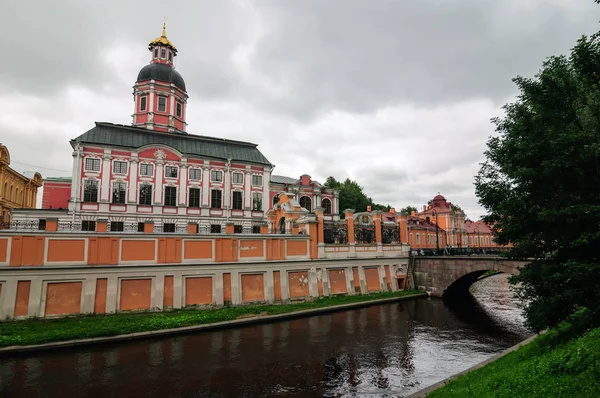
<point x="453" y="275"/>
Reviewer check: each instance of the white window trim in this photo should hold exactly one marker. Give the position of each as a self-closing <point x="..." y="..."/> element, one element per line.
<point x="190" y="172"/>
<point x="138" y="193"/>
<point x="165" y="172"/>
<point x="126" y="167"/>
<point x="85" y="158"/>
<point x="158" y="97"/>
<point x="200" y="197"/>
<point x="210" y="198"/>
<point x="180" y="106"/>
<point x="240" y="191"/>
<point x="211" y="175"/>
<point x="140" y="107"/>
<point x="237" y="183"/>
<point x="140" y="169"/>
<point x="112" y="184"/>
<point x="261" y="180"/>
<point x="164" y="192"/>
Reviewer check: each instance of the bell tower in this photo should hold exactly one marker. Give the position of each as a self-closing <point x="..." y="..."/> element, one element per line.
<point x="159" y="93"/>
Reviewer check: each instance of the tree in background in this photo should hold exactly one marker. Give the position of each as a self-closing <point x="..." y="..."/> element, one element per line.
<point x="351" y="196"/>
<point x="407" y="211"/>
<point x="541" y="185"/>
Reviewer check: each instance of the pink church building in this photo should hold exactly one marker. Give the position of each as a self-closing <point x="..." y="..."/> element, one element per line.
<point x="154" y="170"/>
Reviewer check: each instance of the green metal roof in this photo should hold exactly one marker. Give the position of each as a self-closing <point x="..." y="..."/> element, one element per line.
<point x="117" y="135"/>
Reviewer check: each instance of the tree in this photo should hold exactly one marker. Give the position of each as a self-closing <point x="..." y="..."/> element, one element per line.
<point x="540" y="183"/>
<point x="407" y="211"/>
<point x="351" y="196"/>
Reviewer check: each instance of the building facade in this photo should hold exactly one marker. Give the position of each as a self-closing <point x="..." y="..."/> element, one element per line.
<point x="16" y="190"/>
<point x="309" y="193"/>
<point x="56" y="192"/>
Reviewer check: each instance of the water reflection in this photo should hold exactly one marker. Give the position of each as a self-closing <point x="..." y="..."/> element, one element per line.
<point x="393" y="349"/>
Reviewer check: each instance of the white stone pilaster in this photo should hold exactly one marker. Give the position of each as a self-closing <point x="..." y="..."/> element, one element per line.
<point x="218" y="298"/>
<point x="105" y="185"/>
<point x="8" y="297"/>
<point x="236" y="289"/>
<point x="158" y="185"/>
<point x="88" y="295"/>
<point x="133" y="181"/>
<point x="363" y="280"/>
<point x="247" y="190"/>
<point x="111" y="293"/>
<point x="269" y="288"/>
<point x="183" y="176"/>
<point x="205" y="185"/>
<point x="266" y="190"/>
<point x="159" y="292"/>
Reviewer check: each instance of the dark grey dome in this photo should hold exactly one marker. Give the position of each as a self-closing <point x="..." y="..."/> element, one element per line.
<point x="161" y="72"/>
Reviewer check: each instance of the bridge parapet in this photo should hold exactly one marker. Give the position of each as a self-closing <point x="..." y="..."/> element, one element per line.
<point x="446" y="275"/>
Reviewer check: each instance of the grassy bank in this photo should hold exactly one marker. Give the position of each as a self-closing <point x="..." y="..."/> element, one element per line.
<point x="39" y="331"/>
<point x="550" y="366"/>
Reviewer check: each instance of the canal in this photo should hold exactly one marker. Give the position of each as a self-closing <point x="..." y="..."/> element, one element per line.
<point x="386" y="350"/>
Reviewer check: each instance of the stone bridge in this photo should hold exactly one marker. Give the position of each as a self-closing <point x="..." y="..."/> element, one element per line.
<point x="453" y="275"/>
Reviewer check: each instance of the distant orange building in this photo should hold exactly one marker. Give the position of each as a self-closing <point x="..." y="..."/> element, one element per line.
<point x="16" y="190"/>
<point x="448" y="218"/>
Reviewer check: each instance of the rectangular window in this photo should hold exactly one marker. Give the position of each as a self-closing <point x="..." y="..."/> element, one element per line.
<point x="256" y="201"/>
<point x="162" y="104"/>
<point x="215" y="228"/>
<point x="146" y="194"/>
<point x="257" y="181"/>
<point x="170" y="172"/>
<point x="237" y="200"/>
<point x="156" y="53"/>
<point x="194" y="200"/>
<point x="87" y="225"/>
<point x="118" y="192"/>
<point x="215" y="199"/>
<point x="143" y="103"/>
<point x="90" y="191"/>
<point x="195" y="174"/>
<point x="418" y="239"/>
<point x="140" y="227"/>
<point x="119" y="167"/>
<point x="170" y="56"/>
<point x="216" y="176"/>
<point x="179" y="109"/>
<point x="256" y="229"/>
<point x="169" y="227"/>
<point x="163" y="53"/>
<point x="238" y="178"/>
<point x="42" y="224"/>
<point x="146" y="169"/>
<point x="237" y="229"/>
<point x="92" y="164"/>
<point x="117" y="226"/>
<point x="170" y="196"/>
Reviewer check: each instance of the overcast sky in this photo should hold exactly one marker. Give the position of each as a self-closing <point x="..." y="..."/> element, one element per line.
<point x="397" y="95"/>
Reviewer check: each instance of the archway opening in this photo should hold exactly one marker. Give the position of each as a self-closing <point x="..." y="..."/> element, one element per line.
<point x="281" y="226"/>
<point x="460" y="287"/>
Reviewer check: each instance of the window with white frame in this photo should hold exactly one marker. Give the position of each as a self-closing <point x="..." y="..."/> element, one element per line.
<point x="418" y="239"/>
<point x="170" y="196"/>
<point x="146" y="169"/>
<point x="256" y="200"/>
<point x="326" y="204"/>
<point x="163" y="53"/>
<point x="143" y="103"/>
<point x="88" y="225"/>
<point x="92" y="164"/>
<point x="257" y="180"/>
<point x="216" y="199"/>
<point x="195" y="174"/>
<point x="162" y="103"/>
<point x="170" y="171"/>
<point x="306" y="203"/>
<point x="119" y="190"/>
<point x="216" y="176"/>
<point x="194" y="199"/>
<point x="487" y="240"/>
<point x="90" y="191"/>
<point x="477" y="241"/>
<point x="145" y="194"/>
<point x="179" y="110"/>
<point x="119" y="167"/>
<point x="237" y="201"/>
<point x="238" y="178"/>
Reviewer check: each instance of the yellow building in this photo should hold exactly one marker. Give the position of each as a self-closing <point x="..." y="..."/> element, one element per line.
<point x="16" y="190"/>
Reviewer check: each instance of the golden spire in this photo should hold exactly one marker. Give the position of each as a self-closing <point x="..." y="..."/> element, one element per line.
<point x="162" y="40"/>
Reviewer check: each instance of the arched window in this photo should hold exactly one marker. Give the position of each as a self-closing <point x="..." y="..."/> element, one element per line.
<point x="327" y="206"/>
<point x="470" y="241"/>
<point x="306" y="203"/>
<point x="10" y="194"/>
<point x="275" y="199"/>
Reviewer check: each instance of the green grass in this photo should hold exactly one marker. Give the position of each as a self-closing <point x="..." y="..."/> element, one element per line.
<point x="39" y="331"/>
<point x="555" y="364"/>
